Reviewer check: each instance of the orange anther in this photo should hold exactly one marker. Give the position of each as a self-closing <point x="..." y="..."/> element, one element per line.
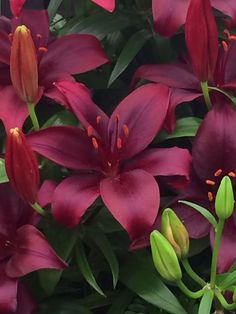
<point x="210" y="182"/>
<point x="43" y="49"/>
<point x="95" y="143"/>
<point x="218" y="173"/>
<point x="225" y="45"/>
<point x="39" y="36"/>
<point x="232" y="174"/>
<point x="232" y="37"/>
<point x="126" y="129"/>
<point x="119" y="143"/>
<point x="210" y="196"/>
<point x="98" y="119"/>
<point x="90" y="130"/>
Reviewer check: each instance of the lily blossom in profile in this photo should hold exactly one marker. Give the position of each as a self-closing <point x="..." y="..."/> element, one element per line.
<point x="110" y="158"/>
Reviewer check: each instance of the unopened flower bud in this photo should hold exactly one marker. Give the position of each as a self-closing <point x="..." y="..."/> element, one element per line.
<point x="21" y="166"/>
<point x="164" y="257"/>
<point x="24" y="66"/>
<point x="224" y="202"/>
<point x="175" y="232"/>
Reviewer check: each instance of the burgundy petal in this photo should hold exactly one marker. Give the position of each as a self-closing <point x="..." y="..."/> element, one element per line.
<point x="228" y="7"/>
<point x="66" y="145"/>
<point x="176" y="74"/>
<point x="202" y="38"/>
<point x="25" y="302"/>
<point x="5" y="47"/>
<point x="13" y="111"/>
<point x="133" y="199"/>
<point x="8" y="291"/>
<point x="138" y="118"/>
<point x="214" y="147"/>
<point x="109" y="5"/>
<point x="78" y="98"/>
<point x="177" y="97"/>
<point x="71" y="54"/>
<point x="227" y="252"/>
<point x="163" y="162"/>
<point x="45" y="192"/>
<point x="29" y="257"/>
<point x="73" y="196"/>
<point x="28" y="18"/>
<point x="169" y="15"/>
<point x="16" y="6"/>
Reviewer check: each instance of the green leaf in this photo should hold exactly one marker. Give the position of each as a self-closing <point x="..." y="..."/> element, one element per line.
<point x="102" y="24"/>
<point x="85" y="267"/>
<point x="63" y="117"/>
<point x="228" y="281"/>
<point x="140" y="276"/>
<point x="206" y="302"/>
<point x="132" y="47"/>
<point x="62" y="240"/>
<point x="185" y="127"/>
<point x="202" y="211"/>
<point x="52" y="8"/>
<point x="103" y="244"/>
<point x="121" y="302"/>
<point x="3" y="175"/>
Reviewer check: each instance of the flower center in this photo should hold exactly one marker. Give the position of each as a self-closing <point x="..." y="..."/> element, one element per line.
<point x="229" y="37"/>
<point x="214" y="183"/>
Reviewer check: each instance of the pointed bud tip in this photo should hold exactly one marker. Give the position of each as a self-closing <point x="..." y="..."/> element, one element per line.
<point x="224" y="202"/>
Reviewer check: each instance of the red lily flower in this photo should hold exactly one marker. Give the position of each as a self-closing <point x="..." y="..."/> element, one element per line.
<point x="16" y="6"/>
<point x="109" y="5"/>
<point x="18" y="253"/>
<point x="105" y="152"/>
<point x="25" y="302"/>
<point x="214" y="151"/>
<point x="57" y="59"/>
<point x="169" y="15"/>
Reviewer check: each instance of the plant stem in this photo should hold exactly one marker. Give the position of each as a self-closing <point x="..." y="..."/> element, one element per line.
<point x="219" y="230"/>
<point x="206" y="95"/>
<point x="33" y="117"/>
<point x="224" y="303"/>
<point x="189" y="293"/>
<point x="192" y="273"/>
<point x="39" y="209"/>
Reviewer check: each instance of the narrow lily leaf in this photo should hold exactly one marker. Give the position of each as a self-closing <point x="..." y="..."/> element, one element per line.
<point x="139" y="275"/>
<point x="3" y="175"/>
<point x="85" y="267"/>
<point x="206" y="302"/>
<point x="104" y="245"/>
<point x="202" y="211"/>
<point x="185" y="127"/>
<point x="52" y="7"/>
<point x="63" y="240"/>
<point x="228" y="281"/>
<point x="121" y="302"/>
<point x="132" y="47"/>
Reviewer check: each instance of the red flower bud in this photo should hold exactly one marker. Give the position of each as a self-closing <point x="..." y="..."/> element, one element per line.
<point x="24" y="66"/>
<point x="21" y="166"/>
<point x="202" y="38"/>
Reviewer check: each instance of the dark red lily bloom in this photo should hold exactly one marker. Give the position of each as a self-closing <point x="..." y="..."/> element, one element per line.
<point x="57" y="59"/>
<point x="25" y="302"/>
<point x="214" y="156"/>
<point x="169" y="15"/>
<point x="109" y="5"/>
<point x="111" y="158"/>
<point x="18" y="253"/>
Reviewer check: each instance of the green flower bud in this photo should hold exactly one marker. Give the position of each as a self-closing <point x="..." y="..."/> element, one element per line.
<point x="224" y="202"/>
<point x="175" y="232"/>
<point x="164" y="257"/>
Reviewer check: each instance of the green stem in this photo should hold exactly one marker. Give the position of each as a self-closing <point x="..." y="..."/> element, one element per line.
<point x="219" y="230"/>
<point x="192" y="273"/>
<point x="224" y="303"/>
<point x="39" y="209"/>
<point x="33" y="117"/>
<point x="206" y="95"/>
<point x="193" y="295"/>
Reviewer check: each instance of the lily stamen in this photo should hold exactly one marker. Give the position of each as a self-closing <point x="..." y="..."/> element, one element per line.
<point x="218" y="173"/>
<point x="225" y="45"/>
<point x="210" y="196"/>
<point x="210" y="182"/>
<point x="98" y="119"/>
<point x="126" y="129"/>
<point x="43" y="49"/>
<point x="119" y="143"/>
<point x="90" y="130"/>
<point x="232" y="174"/>
<point x="95" y="143"/>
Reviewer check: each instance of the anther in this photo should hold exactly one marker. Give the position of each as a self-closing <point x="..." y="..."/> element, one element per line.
<point x="95" y="143"/>
<point x="43" y="49"/>
<point x="218" y="173"/>
<point x="210" y="196"/>
<point x="225" y="45"/>
<point x="232" y="37"/>
<point x="126" y="129"/>
<point x="39" y="36"/>
<point x="227" y="33"/>
<point x="98" y="119"/>
<point x="90" y="130"/>
<point x="232" y="174"/>
<point x="210" y="182"/>
<point x="109" y="163"/>
<point x="119" y="143"/>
